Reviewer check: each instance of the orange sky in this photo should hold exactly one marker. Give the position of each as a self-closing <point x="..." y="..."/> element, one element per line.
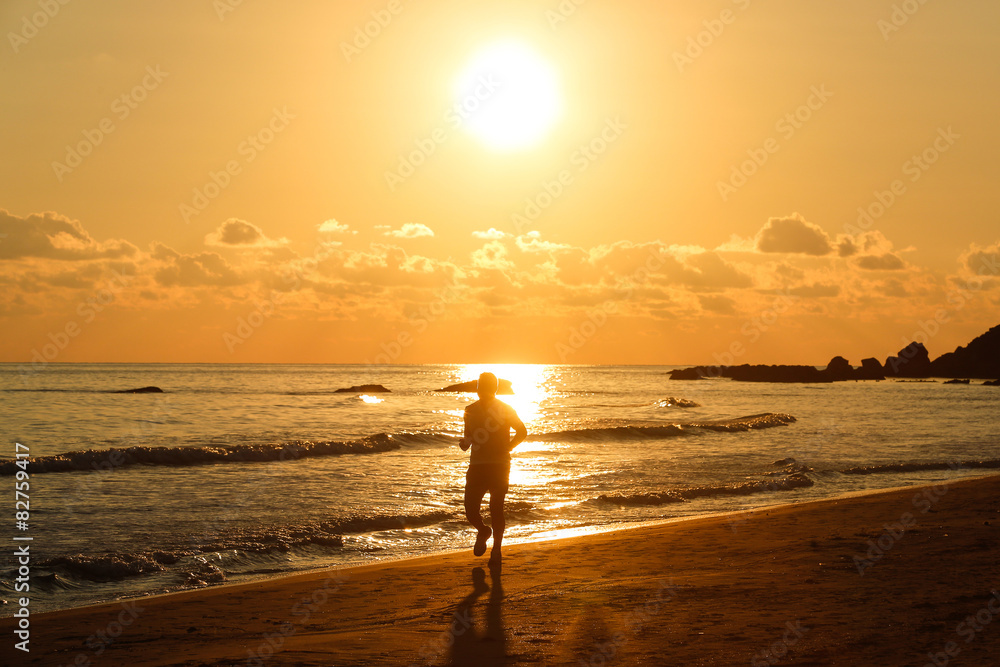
<point x="197" y="181"/>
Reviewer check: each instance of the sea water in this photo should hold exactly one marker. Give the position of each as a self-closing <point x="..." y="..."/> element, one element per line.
<point x="237" y="472"/>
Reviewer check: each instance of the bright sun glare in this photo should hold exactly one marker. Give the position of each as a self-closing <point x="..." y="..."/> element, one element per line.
<point x="530" y="383"/>
<point x="508" y="96"/>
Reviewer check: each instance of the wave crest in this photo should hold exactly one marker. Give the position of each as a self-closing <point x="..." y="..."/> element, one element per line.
<point x="671" y="402"/>
<point x="918" y="467"/>
<point x="241" y="543"/>
<point x="119" y="457"/>
<point x="636" y="432"/>
<point x="788" y="483"/>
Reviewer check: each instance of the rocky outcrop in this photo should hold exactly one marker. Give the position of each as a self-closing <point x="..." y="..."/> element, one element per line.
<point x="140" y="390"/>
<point x="364" y="389"/>
<point x="910" y="362"/>
<point x="979" y="359"/>
<point x="504" y="387"/>
<point x="871" y="369"/>
<point x="685" y="374"/>
<point x="756" y="373"/>
<point x="839" y="369"/>
<point x="761" y="373"/>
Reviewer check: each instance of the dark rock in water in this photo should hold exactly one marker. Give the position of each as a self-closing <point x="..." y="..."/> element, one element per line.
<point x="992" y="383"/>
<point x="140" y="390"/>
<point x="756" y="373"/>
<point x="978" y="359"/>
<point x="364" y="389"/>
<point x="910" y="362"/>
<point x="781" y="373"/>
<point x="472" y="385"/>
<point x="956" y="381"/>
<point x="871" y="369"/>
<point x="839" y="369"/>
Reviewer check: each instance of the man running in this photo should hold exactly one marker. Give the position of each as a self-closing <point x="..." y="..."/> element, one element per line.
<point x="487" y="431"/>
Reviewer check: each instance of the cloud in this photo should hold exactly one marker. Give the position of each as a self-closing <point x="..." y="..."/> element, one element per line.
<point x="868" y="243"/>
<point x="846" y="246"/>
<point x="716" y="303"/>
<point x="384" y="282"/>
<point x="894" y="288"/>
<point x="493" y="255"/>
<point x="52" y="236"/>
<point x="202" y="269"/>
<point x="793" y="235"/>
<point x="240" y="233"/>
<point x="490" y="235"/>
<point x="886" y="262"/>
<point x="983" y="261"/>
<point x="709" y="271"/>
<point x="815" y="290"/>
<point x="532" y="242"/>
<point x="651" y="265"/>
<point x="737" y="243"/>
<point x="410" y="230"/>
<point x="380" y="266"/>
<point x="331" y="226"/>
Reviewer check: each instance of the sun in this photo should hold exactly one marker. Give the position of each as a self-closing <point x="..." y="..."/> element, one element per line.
<point x="508" y="96"/>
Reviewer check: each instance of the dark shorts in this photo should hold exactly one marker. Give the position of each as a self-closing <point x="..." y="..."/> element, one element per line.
<point x="491" y="477"/>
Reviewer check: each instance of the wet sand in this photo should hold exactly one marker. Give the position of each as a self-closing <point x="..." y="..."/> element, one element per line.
<point x="891" y="578"/>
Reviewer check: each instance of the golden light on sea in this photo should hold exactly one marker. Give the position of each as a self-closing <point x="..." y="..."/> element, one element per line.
<point x="529" y="382"/>
<point x="531" y="385"/>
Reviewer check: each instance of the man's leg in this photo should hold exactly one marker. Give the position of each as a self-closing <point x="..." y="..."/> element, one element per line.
<point x="498" y="493"/>
<point x="476" y="485"/>
<point x="475" y="489"/>
<point x="498" y="521"/>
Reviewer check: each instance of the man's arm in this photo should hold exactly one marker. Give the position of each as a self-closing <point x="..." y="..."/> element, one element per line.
<point x="520" y="432"/>
<point x="466" y="441"/>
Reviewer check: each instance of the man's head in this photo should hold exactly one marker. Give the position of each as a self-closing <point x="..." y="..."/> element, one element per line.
<point x="487" y="385"/>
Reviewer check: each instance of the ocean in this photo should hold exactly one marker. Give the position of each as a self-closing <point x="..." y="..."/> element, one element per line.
<point x="237" y="472"/>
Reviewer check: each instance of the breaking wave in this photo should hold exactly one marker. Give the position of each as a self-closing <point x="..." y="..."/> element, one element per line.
<point x="97" y="459"/>
<point x="635" y="432"/>
<point x="671" y="402"/>
<point x="241" y="544"/>
<point x="918" y="467"/>
<point x="787" y="483"/>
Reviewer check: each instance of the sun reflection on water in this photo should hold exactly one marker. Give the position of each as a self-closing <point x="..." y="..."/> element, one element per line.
<point x="531" y="384"/>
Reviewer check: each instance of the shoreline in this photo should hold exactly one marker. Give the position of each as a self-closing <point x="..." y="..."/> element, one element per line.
<point x="564" y="534"/>
<point x="741" y="581"/>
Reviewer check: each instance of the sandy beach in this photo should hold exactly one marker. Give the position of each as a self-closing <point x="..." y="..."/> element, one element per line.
<point x="904" y="577"/>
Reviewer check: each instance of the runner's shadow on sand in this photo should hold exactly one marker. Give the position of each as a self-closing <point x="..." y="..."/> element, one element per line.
<point x="472" y="646"/>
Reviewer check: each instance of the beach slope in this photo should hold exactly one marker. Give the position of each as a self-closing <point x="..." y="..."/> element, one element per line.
<point x="904" y="577"/>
